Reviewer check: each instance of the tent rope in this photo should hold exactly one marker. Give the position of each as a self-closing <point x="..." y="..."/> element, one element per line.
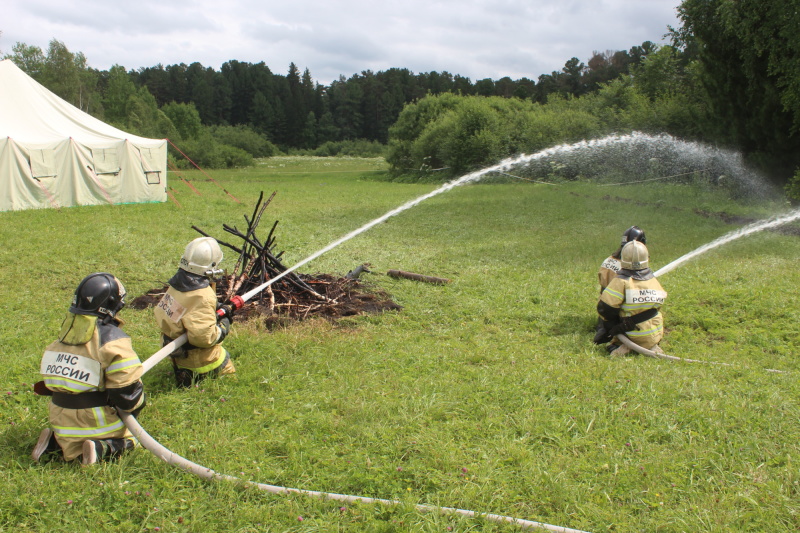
<point x="203" y="171"/>
<point x="49" y="195"/>
<point x="174" y="169"/>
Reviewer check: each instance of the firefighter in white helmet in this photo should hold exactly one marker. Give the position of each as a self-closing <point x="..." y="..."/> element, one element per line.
<point x="90" y="372"/>
<point x="609" y="269"/>
<point x="189" y="306"/>
<point x="631" y="302"/>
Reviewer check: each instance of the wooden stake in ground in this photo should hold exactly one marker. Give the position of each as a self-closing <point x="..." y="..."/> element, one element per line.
<point x="417" y="277"/>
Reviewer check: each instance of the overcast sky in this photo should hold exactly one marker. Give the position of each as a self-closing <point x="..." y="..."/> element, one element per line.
<point x="474" y="38"/>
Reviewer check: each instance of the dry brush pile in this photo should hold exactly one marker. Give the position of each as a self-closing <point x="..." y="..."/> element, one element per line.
<point x="291" y="298"/>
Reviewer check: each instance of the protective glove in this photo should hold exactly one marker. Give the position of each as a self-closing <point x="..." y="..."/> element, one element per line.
<point x="224" y="326"/>
<point x="225" y="311"/>
<point x="625" y="324"/>
<point x="41" y="389"/>
<point x="602" y="336"/>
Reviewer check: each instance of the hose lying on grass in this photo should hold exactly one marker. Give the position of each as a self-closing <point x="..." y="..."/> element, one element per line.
<point x="166" y="455"/>
<point x="644" y="351"/>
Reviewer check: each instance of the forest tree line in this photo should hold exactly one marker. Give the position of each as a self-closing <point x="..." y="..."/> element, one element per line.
<point x="292" y="110"/>
<point x="729" y="77"/>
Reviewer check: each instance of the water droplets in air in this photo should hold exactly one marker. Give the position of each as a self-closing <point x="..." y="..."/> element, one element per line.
<point x="636" y="157"/>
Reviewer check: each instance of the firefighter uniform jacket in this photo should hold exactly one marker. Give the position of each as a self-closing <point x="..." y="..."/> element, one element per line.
<point x="190" y="306"/>
<point x="608" y="271"/>
<point x="629" y="294"/>
<point x="91" y="369"/>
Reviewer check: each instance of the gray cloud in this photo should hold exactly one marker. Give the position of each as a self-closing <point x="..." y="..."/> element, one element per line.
<point x="474" y="38"/>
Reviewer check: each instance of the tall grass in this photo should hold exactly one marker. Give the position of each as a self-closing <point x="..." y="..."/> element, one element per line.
<point x="483" y="394"/>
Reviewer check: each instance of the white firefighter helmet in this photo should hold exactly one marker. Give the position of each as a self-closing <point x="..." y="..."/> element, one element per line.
<point x="202" y="256"/>
<point x="634" y="256"/>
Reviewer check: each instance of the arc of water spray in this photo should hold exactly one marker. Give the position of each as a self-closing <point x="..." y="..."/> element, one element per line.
<point x="772" y="222"/>
<point x="652" y="179"/>
<point x="525" y="179"/>
<point x="474" y="176"/>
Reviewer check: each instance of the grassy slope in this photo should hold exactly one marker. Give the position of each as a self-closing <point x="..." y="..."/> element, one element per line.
<point x="484" y="394"/>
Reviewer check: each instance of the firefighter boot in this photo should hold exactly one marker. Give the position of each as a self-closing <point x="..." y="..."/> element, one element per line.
<point x="620" y="351"/>
<point x="103" y="450"/>
<point x="45" y="446"/>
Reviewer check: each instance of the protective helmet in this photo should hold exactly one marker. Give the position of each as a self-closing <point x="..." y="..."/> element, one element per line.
<point x="99" y="294"/>
<point x="202" y="256"/>
<point x="634" y="233"/>
<point x="634" y="256"/>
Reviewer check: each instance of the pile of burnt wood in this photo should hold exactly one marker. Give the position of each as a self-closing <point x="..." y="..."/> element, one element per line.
<point x="294" y="296"/>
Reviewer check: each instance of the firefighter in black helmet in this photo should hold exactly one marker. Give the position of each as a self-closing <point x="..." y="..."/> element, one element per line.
<point x="610" y="267"/>
<point x="90" y="372"/>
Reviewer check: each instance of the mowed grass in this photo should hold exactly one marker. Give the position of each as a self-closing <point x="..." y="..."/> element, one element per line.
<point x="483" y="394"/>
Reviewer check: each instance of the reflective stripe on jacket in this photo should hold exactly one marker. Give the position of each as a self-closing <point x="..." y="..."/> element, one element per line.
<point x="634" y="296"/>
<point x="106" y="362"/>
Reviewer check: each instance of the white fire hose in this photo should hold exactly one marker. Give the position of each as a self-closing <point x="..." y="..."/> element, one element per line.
<point x="650" y="353"/>
<point x="170" y="457"/>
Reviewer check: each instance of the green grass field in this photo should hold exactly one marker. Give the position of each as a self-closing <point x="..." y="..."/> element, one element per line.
<point x="484" y="394"/>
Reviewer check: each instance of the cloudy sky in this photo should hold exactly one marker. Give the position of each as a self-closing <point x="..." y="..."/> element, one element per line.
<point x="474" y="38"/>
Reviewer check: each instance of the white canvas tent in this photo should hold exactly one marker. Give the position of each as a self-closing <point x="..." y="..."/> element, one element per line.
<point x="52" y="154"/>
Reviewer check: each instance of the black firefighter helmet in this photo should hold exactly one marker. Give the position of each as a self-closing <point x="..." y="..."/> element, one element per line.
<point x="99" y="294"/>
<point x="634" y="233"/>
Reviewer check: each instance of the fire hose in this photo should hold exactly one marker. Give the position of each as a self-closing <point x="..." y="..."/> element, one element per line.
<point x="650" y="353"/>
<point x="172" y="458"/>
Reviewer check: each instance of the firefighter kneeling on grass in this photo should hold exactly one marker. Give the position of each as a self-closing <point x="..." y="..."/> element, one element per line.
<point x="630" y="304"/>
<point x="90" y="372"/>
<point x="608" y="271"/>
<point x="190" y="306"/>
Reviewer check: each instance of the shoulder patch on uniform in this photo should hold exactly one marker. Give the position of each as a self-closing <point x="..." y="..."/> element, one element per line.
<point x="642" y="296"/>
<point x="73" y="372"/>
<point x="171" y="307"/>
<point x="110" y="332"/>
<point x="611" y="264"/>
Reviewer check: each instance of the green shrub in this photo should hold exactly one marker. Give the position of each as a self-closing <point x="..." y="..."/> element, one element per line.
<point x="245" y="138"/>
<point x="463" y="133"/>
<point x="793" y="188"/>
<point x="460" y="134"/>
<point x="185" y="118"/>
<point x="206" y="152"/>
<point x="351" y="148"/>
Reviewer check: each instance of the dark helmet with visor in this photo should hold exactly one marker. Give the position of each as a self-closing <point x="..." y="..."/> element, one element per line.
<point x="99" y="294"/>
<point x="634" y="233"/>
